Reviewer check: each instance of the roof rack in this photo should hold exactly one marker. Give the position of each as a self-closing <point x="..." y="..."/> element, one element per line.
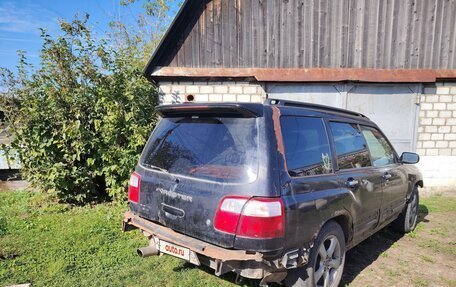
<point x="287" y="103"/>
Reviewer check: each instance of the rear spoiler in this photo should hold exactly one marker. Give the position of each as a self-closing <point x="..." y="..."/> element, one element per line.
<point x="243" y="110"/>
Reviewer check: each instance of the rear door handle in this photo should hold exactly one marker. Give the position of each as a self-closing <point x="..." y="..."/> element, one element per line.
<point x="387" y="175"/>
<point x="351" y="182"/>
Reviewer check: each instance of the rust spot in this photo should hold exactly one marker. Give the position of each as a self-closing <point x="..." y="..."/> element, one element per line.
<point x="198" y="246"/>
<point x="278" y="133"/>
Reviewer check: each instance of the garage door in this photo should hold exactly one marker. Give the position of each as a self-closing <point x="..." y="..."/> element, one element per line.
<point x="392" y="107"/>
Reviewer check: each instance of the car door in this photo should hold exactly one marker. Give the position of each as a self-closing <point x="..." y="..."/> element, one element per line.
<point x="357" y="175"/>
<point x="394" y="180"/>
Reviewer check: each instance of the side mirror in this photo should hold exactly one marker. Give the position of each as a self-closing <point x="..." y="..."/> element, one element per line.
<point x="409" y="157"/>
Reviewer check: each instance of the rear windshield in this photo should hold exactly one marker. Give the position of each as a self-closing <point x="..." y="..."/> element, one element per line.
<point x="218" y="149"/>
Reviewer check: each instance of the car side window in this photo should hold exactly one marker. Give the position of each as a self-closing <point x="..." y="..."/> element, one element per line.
<point x="351" y="148"/>
<point x="382" y="153"/>
<point x="306" y="144"/>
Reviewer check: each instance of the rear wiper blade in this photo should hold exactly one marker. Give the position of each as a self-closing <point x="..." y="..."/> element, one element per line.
<point x="155" y="167"/>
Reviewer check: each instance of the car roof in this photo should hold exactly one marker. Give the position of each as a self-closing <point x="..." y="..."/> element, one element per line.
<point x="292" y="108"/>
<point x="287" y="108"/>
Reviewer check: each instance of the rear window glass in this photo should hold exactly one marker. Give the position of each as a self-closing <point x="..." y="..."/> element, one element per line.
<point x="306" y="145"/>
<point x="351" y="148"/>
<point x="219" y="149"/>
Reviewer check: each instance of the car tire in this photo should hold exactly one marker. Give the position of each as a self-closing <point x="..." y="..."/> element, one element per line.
<point x="408" y="219"/>
<point x="326" y="260"/>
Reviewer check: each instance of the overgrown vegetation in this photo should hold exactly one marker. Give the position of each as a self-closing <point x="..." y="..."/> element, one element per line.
<point x="80" y="119"/>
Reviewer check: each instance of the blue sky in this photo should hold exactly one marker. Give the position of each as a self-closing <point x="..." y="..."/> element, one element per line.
<point x="20" y="20"/>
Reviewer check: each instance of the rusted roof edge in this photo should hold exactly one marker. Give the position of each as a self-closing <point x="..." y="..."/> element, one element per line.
<point x="308" y="75"/>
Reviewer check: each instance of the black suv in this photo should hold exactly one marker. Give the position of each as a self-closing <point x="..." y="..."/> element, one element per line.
<point x="276" y="191"/>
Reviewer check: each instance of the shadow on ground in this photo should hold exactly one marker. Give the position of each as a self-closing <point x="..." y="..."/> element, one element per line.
<point x="364" y="254"/>
<point x="358" y="258"/>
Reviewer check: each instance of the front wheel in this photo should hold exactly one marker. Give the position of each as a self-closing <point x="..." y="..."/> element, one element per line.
<point x="326" y="260"/>
<point x="408" y="219"/>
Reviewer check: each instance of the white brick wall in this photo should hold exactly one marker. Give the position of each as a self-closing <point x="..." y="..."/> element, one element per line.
<point x="437" y="121"/>
<point x="176" y="92"/>
<point x="437" y="138"/>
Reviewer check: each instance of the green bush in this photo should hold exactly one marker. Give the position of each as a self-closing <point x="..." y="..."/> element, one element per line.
<point x="80" y="120"/>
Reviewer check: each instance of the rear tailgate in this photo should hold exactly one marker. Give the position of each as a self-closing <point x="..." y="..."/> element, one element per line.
<point x="195" y="157"/>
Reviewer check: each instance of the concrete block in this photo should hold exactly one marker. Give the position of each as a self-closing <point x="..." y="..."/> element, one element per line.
<point x="442" y="90"/>
<point x="436" y="137"/>
<point x="215" y="98"/>
<point x="220" y="89"/>
<point x="235" y="90"/>
<point x="428" y="144"/>
<point x="243" y="98"/>
<point x="438" y="121"/>
<point x="202" y="98"/>
<point x="445" y="129"/>
<point x="177" y="89"/>
<point x="421" y="151"/>
<point x="430" y="129"/>
<point x="441" y="144"/>
<point x="453" y="90"/>
<point x="450" y="137"/>
<point x="432" y="151"/>
<point x="426" y="106"/>
<point x="257" y="99"/>
<point x="432" y="114"/>
<point x="451" y="122"/>
<point x="206" y="89"/>
<point x="192" y="89"/>
<point x="446" y="99"/>
<point x="229" y="98"/>
<point x="431" y="98"/>
<point x="452" y="144"/>
<point x="165" y="89"/>
<point x="453" y="151"/>
<point x="250" y="90"/>
<point x="439" y="106"/>
<point x="424" y="136"/>
<point x="451" y="107"/>
<point x="425" y="121"/>
<point x="445" y="151"/>
<point x="445" y="114"/>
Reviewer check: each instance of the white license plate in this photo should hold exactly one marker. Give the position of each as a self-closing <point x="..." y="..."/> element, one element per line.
<point x="175" y="250"/>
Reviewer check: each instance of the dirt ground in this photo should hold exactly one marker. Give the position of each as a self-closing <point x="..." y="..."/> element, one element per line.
<point x="425" y="257"/>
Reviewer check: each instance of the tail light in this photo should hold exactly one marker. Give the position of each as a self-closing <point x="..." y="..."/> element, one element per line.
<point x="251" y="218"/>
<point x="133" y="187"/>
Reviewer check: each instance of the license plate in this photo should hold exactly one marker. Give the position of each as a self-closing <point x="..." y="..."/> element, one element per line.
<point x="175" y="250"/>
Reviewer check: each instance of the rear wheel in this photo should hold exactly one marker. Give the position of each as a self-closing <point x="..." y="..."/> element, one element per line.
<point x="408" y="219"/>
<point x="326" y="260"/>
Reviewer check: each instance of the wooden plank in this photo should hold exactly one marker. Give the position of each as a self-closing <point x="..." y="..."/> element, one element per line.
<point x="271" y="33"/>
<point x="210" y="44"/>
<point x="218" y="48"/>
<point x="299" y="47"/>
<point x="263" y="32"/>
<point x="233" y="39"/>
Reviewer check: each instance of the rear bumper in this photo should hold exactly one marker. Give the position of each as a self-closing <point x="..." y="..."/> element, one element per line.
<point x="254" y="265"/>
<point x="198" y="246"/>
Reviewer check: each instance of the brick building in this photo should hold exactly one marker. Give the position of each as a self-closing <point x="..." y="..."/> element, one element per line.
<point x="394" y="61"/>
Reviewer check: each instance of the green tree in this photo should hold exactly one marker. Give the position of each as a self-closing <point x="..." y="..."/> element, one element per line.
<point x="80" y="120"/>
